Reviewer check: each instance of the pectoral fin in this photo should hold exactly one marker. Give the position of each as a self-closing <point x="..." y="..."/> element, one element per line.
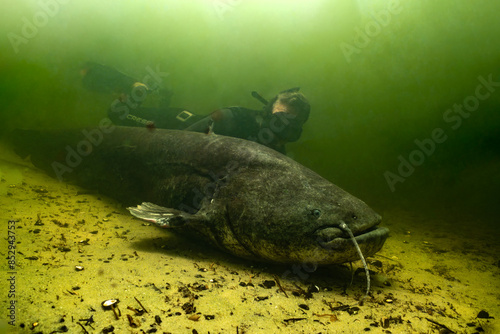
<point x="163" y="217"/>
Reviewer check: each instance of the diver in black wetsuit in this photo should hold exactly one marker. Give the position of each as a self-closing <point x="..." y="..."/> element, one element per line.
<point x="279" y="122"/>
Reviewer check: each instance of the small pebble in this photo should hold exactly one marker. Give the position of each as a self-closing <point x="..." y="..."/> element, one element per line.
<point x="483" y="315"/>
<point x="268" y="284"/>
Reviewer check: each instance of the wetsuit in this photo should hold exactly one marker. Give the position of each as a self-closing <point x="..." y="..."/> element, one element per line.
<point x="270" y="126"/>
<point x="236" y="122"/>
<point x="272" y="130"/>
<point x="163" y="118"/>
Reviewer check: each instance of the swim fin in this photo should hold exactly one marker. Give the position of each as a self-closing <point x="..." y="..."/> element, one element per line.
<point x="105" y="79"/>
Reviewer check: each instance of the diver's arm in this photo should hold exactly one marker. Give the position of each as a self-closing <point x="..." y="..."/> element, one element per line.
<point x="220" y="121"/>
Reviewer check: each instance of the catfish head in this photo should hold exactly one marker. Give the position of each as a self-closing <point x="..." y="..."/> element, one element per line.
<point x="286" y="213"/>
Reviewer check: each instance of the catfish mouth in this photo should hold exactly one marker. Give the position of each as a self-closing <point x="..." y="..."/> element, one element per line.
<point x="333" y="235"/>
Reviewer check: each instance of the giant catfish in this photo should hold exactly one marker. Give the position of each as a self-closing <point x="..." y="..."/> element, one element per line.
<point x="238" y="195"/>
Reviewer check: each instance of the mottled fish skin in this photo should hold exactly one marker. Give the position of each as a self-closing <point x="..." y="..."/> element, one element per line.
<point x="240" y="196"/>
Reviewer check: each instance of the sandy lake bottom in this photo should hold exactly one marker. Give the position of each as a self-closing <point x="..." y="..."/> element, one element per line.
<point x="430" y="277"/>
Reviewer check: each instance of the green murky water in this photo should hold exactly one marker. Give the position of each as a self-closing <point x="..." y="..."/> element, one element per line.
<point x="405" y="95"/>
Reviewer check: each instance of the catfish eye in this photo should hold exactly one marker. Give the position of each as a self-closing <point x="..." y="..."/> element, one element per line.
<point x="316" y="213"/>
<point x="354" y="217"/>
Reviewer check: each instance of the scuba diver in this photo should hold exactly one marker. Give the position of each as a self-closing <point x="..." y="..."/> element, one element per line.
<point x="279" y="122"/>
